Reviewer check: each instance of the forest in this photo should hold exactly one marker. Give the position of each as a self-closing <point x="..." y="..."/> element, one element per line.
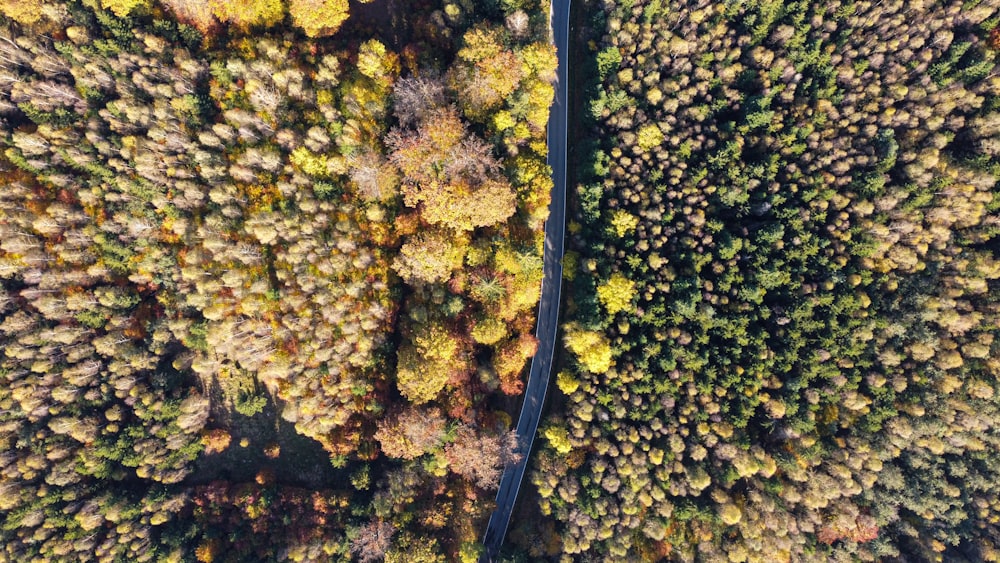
<point x="784" y="278"/>
<point x="268" y="272"/>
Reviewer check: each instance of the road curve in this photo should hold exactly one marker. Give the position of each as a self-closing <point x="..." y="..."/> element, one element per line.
<point x="548" y="306"/>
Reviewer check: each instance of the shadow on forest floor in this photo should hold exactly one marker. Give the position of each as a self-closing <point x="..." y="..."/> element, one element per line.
<point x="384" y="19"/>
<point x="301" y="461"/>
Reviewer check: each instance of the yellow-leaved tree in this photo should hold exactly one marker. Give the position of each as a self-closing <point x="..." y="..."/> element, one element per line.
<point x="318" y="18"/>
<point x="567" y="383"/>
<point x="616" y="294"/>
<point x="650" y="137"/>
<point x="429" y="257"/>
<point x="489" y="331"/>
<point x="435" y="358"/>
<point x="416" y="380"/>
<point x="247" y="13"/>
<point x="122" y="8"/>
<point x="623" y="222"/>
<point x="592" y="349"/>
<point x="377" y="62"/>
<point x="559" y="438"/>
<point x="22" y="11"/>
<point x="486" y="72"/>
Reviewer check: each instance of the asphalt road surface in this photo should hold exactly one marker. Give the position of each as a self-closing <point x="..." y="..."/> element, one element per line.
<point x="548" y="306"/>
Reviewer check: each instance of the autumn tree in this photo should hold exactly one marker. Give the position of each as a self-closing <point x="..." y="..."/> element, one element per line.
<point x="232" y="233"/>
<point x="123" y="8"/>
<point x="428" y="257"/>
<point x="425" y="367"/>
<point x="616" y="294"/>
<point x="757" y="307"/>
<point x="450" y="174"/>
<point x="318" y="18"/>
<point x="481" y="458"/>
<point x="372" y="541"/>
<point x="487" y="72"/>
<point x="412" y="433"/>
<point x="248" y="14"/>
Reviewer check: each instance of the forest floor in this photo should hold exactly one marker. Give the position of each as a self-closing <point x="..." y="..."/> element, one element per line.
<point x="301" y="461"/>
<point x="384" y="19"/>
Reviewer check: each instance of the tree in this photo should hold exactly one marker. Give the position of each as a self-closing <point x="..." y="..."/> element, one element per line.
<point x="412" y="433"/>
<point x="318" y="18"/>
<point x="650" y="137"/>
<point x="623" y="222"/>
<point x="591" y="349"/>
<point x="413" y="380"/>
<point x="463" y="207"/>
<point x="428" y="257"/>
<point x="489" y="331"/>
<point x="510" y="359"/>
<point x="372" y="541"/>
<point x="450" y="173"/>
<point x="487" y="72"/>
<point x="373" y="177"/>
<point x="216" y="440"/>
<point x="23" y="11"/>
<point x="122" y="8"/>
<point x="248" y="13"/>
<point x="411" y="548"/>
<point x="479" y="457"/>
<point x="616" y="294"/>
<point x="416" y="97"/>
<point x="424" y="368"/>
<point x="559" y="438"/>
<point x="377" y="62"/>
<point x="194" y="12"/>
<point x="517" y="24"/>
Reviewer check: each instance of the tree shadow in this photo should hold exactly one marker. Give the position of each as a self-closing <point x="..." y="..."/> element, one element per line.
<point x="264" y="441"/>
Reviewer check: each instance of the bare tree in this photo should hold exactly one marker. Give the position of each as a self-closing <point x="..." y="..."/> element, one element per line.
<point x="416" y="97"/>
<point x="480" y="457"/>
<point x="373" y="541"/>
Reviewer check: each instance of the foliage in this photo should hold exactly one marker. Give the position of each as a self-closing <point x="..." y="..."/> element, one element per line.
<point x="591" y="348"/>
<point x="412" y="433"/>
<point x="787" y="210"/>
<point x="623" y="222"/>
<point x="559" y="439"/>
<point x="222" y="229"/>
<point x="451" y="174"/>
<point x="480" y="458"/>
<point x="318" y="17"/>
<point x="616" y="294"/>
<point x="428" y="257"/>
<point x="22" y="11"/>
<point x="122" y="8"/>
<point x="244" y="14"/>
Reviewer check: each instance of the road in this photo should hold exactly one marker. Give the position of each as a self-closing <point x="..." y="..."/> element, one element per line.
<point x="548" y="306"/>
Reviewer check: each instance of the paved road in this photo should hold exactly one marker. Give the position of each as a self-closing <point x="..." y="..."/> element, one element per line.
<point x="548" y="307"/>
